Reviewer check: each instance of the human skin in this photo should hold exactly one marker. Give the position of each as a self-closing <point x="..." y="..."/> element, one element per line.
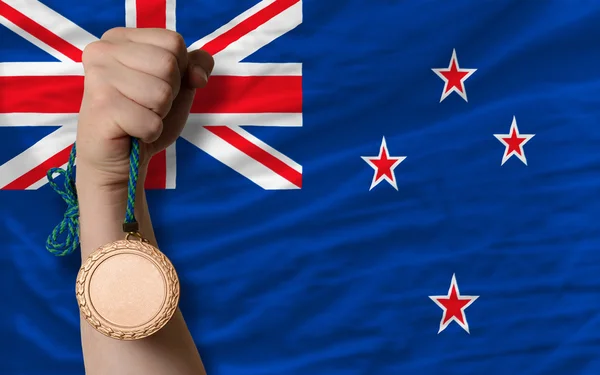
<point x="138" y="83"/>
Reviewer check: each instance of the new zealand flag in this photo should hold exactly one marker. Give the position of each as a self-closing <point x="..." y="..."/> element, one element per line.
<point x="364" y="187"/>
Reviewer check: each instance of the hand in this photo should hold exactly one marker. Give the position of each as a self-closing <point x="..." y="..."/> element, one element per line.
<point x="138" y="83"/>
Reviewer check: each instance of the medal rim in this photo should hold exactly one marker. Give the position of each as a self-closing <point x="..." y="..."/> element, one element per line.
<point x="140" y="248"/>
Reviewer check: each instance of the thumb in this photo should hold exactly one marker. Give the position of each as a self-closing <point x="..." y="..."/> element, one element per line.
<point x="200" y="66"/>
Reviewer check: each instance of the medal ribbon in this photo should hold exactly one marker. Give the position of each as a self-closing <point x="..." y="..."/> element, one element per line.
<point x="68" y="192"/>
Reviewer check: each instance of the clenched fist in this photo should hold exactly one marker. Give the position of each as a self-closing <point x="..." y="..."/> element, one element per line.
<point x="138" y="83"/>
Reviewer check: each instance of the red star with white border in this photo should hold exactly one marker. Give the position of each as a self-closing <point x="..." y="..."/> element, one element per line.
<point x="384" y="166"/>
<point x="454" y="305"/>
<point x="454" y="78"/>
<point x="514" y="142"/>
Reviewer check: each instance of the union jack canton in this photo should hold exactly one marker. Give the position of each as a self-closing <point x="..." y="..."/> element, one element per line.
<point x="238" y="94"/>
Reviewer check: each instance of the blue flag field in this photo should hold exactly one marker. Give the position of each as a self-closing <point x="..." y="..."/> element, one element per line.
<point x="363" y="188"/>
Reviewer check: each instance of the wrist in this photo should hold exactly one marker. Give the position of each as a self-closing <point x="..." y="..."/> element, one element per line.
<point x="112" y="188"/>
<point x="102" y="208"/>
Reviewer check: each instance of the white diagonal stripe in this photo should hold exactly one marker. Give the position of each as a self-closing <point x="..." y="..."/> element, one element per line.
<point x="38" y="184"/>
<point x="236" y="159"/>
<point x="37" y="154"/>
<point x="297" y="167"/>
<point x="231" y="24"/>
<point x="35" y="41"/>
<point x="54" y="22"/>
<point x="256" y="39"/>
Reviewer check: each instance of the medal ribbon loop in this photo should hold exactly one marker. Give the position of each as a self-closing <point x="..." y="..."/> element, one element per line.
<point x="68" y="192"/>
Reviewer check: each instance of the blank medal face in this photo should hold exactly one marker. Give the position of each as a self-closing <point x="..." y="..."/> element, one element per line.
<point x="127" y="290"/>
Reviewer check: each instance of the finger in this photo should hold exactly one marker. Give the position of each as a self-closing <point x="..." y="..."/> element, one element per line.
<point x="176" y="119"/>
<point x="136" y="120"/>
<point x="144" y="89"/>
<point x="165" y="39"/>
<point x="200" y="66"/>
<point x="144" y="58"/>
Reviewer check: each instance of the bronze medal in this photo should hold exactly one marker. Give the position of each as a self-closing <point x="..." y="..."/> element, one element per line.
<point x="127" y="289"/>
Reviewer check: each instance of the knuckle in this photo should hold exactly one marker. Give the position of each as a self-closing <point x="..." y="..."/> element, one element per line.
<point x="94" y="52"/>
<point x="153" y="127"/>
<point x="99" y="94"/>
<point x="163" y="95"/>
<point x="114" y="32"/>
<point x="174" y="41"/>
<point x="169" y="66"/>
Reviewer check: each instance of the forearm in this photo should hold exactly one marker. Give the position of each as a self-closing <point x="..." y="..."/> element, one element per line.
<point x="169" y="351"/>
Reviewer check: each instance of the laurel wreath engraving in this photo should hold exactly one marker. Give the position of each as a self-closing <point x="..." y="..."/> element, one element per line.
<point x="172" y="293"/>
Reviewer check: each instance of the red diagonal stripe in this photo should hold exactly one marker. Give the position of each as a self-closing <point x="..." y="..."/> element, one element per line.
<point x="257" y="154"/>
<point x="222" y="41"/>
<point x="39" y="172"/>
<point x="224" y="94"/>
<point x="39" y="32"/>
<point x="151" y="13"/>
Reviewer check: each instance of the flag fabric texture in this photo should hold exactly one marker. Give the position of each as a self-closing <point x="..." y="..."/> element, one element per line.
<point x="364" y="187"/>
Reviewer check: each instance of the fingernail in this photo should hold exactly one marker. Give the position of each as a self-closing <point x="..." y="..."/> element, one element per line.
<point x="200" y="71"/>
